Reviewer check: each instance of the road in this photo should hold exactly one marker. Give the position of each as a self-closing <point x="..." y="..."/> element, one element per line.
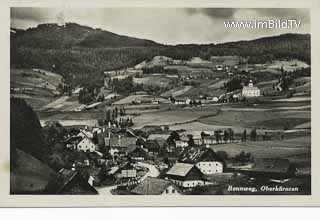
<point x="152" y="172"/>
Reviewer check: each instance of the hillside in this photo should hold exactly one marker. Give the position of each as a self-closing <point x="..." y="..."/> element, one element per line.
<point x="53" y="36"/>
<point x="81" y="53"/>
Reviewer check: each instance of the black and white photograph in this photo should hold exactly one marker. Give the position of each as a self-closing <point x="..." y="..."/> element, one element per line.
<point x="171" y="101"/>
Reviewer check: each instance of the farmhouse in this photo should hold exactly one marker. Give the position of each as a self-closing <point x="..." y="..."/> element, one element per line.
<point x="185" y="175"/>
<point x="181" y="144"/>
<point x="156" y="186"/>
<point x="205" y="159"/>
<point x="136" y="152"/>
<point x="86" y="144"/>
<point x="152" y="147"/>
<point x="250" y="90"/>
<point x="85" y="133"/>
<point x="71" y="182"/>
<point x="118" y="145"/>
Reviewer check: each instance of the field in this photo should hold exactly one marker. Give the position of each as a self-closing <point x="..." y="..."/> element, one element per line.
<point x="296" y="149"/>
<point x="259" y="119"/>
<point x="175" y="116"/>
<point x="38" y="88"/>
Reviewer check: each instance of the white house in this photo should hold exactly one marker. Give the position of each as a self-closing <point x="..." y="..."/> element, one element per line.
<point x="205" y="159"/>
<point x="250" y="90"/>
<point x="86" y="145"/>
<point x="210" y="167"/>
<point x="181" y="144"/>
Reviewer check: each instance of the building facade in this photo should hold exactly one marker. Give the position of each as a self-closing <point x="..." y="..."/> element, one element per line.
<point x="250" y="90"/>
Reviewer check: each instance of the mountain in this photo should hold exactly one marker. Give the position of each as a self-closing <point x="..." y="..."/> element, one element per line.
<point x="81" y="54"/>
<point x="53" y="36"/>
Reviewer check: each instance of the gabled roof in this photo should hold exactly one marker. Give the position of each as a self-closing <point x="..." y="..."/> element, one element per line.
<point x="122" y="142"/>
<point x="180" y="169"/>
<point x="151" y="145"/>
<point x="66" y="176"/>
<point x="158" y="136"/>
<point x="194" y="155"/>
<point x="153" y="186"/>
<point x="131" y="148"/>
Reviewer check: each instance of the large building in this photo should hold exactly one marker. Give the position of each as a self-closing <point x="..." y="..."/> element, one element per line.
<point x="185" y="175"/>
<point x="250" y="90"/>
<point x="156" y="186"/>
<point x="205" y="159"/>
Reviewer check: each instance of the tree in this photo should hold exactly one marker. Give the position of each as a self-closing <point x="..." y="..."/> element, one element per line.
<point x="190" y="141"/>
<point x="253" y="135"/>
<point x="108" y="116"/>
<point x="231" y="134"/>
<point x="244" y="135"/>
<point x="25" y="130"/>
<point x="95" y="139"/>
<point x="225" y="135"/>
<point x="217" y="135"/>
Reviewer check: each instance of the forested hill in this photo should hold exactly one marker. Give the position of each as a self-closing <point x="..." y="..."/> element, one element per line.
<point x="83" y="53"/>
<point x="53" y="36"/>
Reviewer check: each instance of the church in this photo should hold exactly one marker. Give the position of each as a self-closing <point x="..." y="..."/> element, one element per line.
<point x="250" y="90"/>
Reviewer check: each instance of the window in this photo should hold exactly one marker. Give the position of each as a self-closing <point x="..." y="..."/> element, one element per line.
<point x="167" y="191"/>
<point x="173" y="191"/>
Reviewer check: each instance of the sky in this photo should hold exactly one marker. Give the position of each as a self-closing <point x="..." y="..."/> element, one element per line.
<point x="166" y="25"/>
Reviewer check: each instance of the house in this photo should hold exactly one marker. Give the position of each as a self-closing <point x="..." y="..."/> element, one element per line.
<point x="85" y="144"/>
<point x="119" y="144"/>
<point x="72" y="182"/>
<point x="185" y="175"/>
<point x="97" y="130"/>
<point x="205" y="159"/>
<point x="84" y="133"/>
<point x="125" y="170"/>
<point x="164" y="137"/>
<point x="156" y="186"/>
<point x="136" y="152"/>
<point x="219" y="67"/>
<point x="269" y="168"/>
<point x="151" y="147"/>
<point x="181" y="144"/>
<point x="77" y="91"/>
<point x="250" y="90"/>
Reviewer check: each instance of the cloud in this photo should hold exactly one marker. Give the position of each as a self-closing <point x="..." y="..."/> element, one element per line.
<point x="213" y="12"/>
<point x="164" y="25"/>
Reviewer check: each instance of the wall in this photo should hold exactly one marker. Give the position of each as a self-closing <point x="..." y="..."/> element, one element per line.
<point x="210" y="167"/>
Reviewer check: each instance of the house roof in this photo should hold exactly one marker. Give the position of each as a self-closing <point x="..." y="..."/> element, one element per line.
<point x="151" y="145"/>
<point x="180" y="169"/>
<point x="66" y="176"/>
<point x="250" y="88"/>
<point x="196" y="154"/>
<point x="153" y="186"/>
<point x="271" y="165"/>
<point x="131" y="148"/>
<point x="122" y="142"/>
<point x="158" y="136"/>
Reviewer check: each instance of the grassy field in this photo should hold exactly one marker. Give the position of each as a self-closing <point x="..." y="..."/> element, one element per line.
<point x="177" y="115"/>
<point x="295" y="149"/>
<point x="43" y="86"/>
<point x="259" y="119"/>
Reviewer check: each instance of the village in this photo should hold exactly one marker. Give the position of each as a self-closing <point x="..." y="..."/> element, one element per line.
<point x="163" y="135"/>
